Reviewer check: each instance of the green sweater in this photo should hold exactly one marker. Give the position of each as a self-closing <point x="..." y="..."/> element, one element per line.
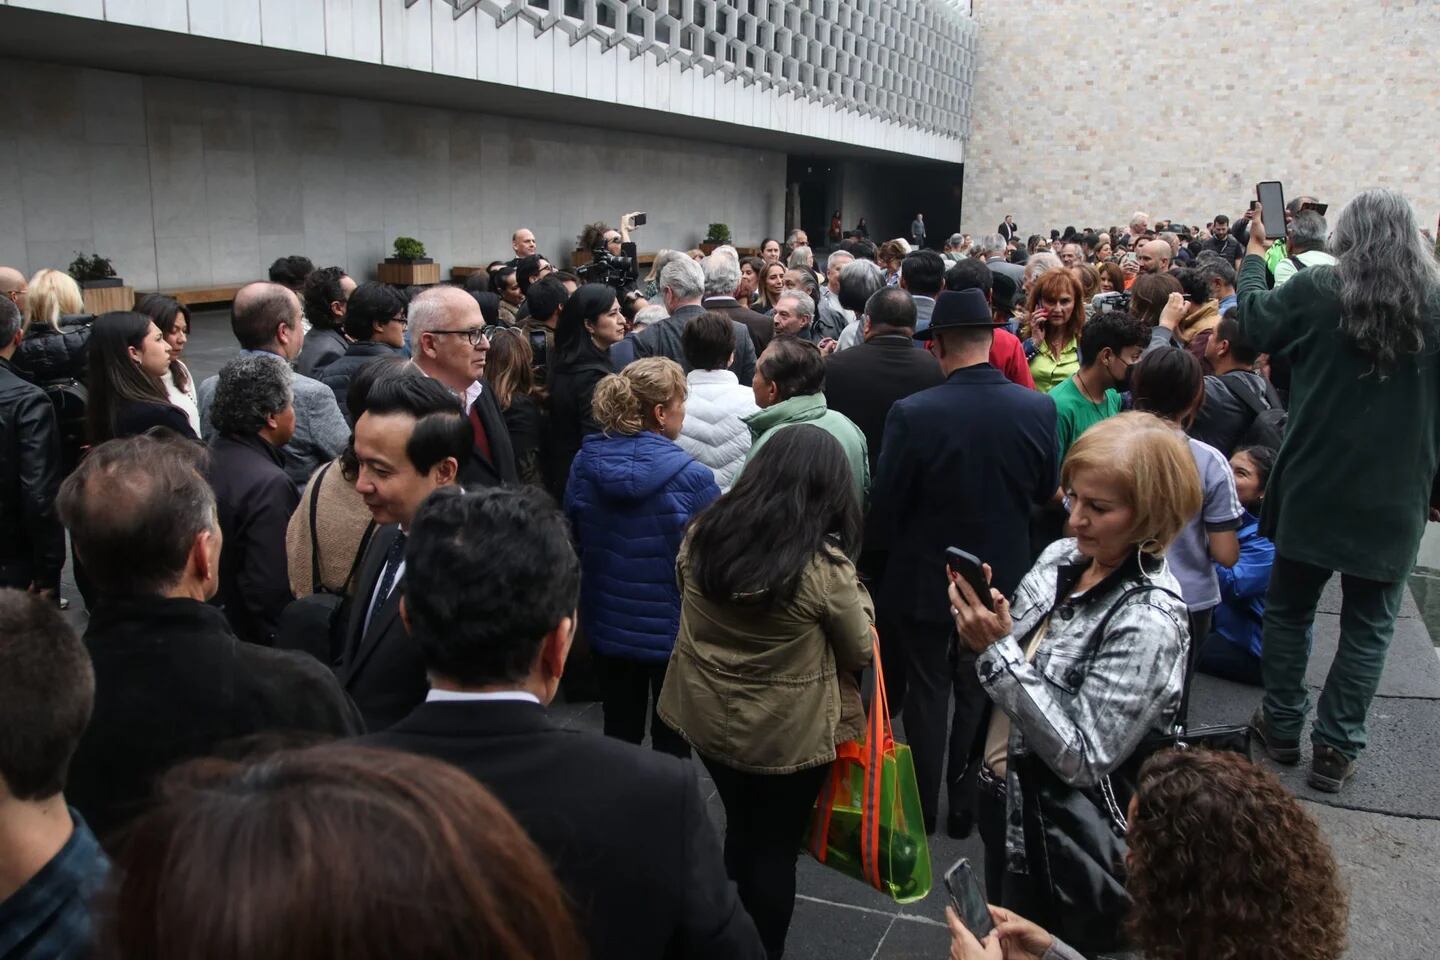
<point x="1351" y="487"/>
<point x="811" y="409"/>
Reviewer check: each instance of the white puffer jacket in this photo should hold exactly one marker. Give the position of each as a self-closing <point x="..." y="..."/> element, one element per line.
<point x="714" y="432"/>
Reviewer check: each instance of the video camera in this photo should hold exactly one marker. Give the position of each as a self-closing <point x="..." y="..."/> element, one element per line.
<point x="1116" y="301"/>
<point x="604" y="267"/>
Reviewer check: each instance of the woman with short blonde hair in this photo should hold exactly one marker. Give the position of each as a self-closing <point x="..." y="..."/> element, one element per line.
<point x="1089" y="655"/>
<point x="48" y="354"/>
<point x="53" y="294"/>
<point x="632" y="491"/>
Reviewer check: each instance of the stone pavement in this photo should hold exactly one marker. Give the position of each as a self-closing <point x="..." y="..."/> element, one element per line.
<point x="1385" y="828"/>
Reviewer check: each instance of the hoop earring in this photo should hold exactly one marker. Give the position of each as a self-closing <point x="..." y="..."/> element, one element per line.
<point x="1142" y="550"/>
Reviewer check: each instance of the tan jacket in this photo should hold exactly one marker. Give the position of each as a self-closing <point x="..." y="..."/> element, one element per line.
<point x="770" y="690"/>
<point x="1206" y="318"/>
<point x="340" y="521"/>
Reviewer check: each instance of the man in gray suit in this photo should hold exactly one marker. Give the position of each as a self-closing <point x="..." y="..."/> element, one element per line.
<point x="682" y="285"/>
<point x="992" y="250"/>
<point x="265" y="318"/>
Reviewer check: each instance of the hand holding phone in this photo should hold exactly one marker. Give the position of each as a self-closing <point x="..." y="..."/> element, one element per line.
<point x="969" y="903"/>
<point x="1271" y="196"/>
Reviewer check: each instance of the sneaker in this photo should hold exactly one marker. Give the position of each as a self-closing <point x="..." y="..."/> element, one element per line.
<point x="1286" y="751"/>
<point x="1329" y="769"/>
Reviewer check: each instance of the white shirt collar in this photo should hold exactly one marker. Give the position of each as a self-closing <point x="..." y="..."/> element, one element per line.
<point x="472" y="393"/>
<point x="452" y="696"/>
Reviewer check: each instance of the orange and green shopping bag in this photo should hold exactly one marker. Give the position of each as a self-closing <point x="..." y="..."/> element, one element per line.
<point x="867" y="822"/>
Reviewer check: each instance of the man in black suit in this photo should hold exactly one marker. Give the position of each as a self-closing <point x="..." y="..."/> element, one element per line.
<point x="682" y="285"/>
<point x="961" y="465"/>
<point x="447" y="334"/>
<point x="410" y="441"/>
<point x="625" y="829"/>
<point x="722" y="281"/>
<point x="863" y="383"/>
<point x="172" y="682"/>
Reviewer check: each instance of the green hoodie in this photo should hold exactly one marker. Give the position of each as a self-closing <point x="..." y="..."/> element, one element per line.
<point x="811" y="408"/>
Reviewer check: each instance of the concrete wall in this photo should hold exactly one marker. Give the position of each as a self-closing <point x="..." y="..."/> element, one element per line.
<point x="1084" y="112"/>
<point x="534" y="49"/>
<point x="183" y="183"/>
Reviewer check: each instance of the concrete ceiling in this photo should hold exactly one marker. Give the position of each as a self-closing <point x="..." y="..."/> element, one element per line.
<point x="80" y="41"/>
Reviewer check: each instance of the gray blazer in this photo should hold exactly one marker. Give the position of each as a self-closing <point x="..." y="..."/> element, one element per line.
<point x="663" y="340"/>
<point x="320" y="429"/>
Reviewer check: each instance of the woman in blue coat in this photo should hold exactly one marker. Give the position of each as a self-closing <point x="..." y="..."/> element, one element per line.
<point x="631" y="494"/>
<point x="1232" y="650"/>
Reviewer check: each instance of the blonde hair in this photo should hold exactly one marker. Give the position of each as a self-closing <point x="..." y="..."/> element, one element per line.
<point x="624" y="401"/>
<point x="52" y="295"/>
<point x="1151" y="462"/>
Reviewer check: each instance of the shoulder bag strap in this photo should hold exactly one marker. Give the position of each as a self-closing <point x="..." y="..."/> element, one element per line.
<point x="359" y="555"/>
<point x="1297" y="262"/>
<point x="1241" y="388"/>
<point x="315" y="584"/>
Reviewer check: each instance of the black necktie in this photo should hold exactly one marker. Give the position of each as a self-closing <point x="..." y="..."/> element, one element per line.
<point x="393" y="558"/>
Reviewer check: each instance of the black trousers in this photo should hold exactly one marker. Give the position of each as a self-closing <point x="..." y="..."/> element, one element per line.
<point x="765" y="820"/>
<point x="933" y="670"/>
<point x="630" y="689"/>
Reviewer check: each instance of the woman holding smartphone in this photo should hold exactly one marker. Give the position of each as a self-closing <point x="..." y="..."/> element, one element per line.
<point x="1201" y="887"/>
<point x="1056" y="308"/>
<point x="1088" y="657"/>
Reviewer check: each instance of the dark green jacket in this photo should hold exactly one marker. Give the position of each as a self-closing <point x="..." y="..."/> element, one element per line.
<point x="1351" y="487"/>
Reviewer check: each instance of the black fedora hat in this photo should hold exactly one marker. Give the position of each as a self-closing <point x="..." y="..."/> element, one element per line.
<point x="958" y="308"/>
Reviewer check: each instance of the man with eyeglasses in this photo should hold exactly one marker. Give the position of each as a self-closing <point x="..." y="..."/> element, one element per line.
<point x="447" y="335"/>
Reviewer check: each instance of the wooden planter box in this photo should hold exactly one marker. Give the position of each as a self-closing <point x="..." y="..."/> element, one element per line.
<point x="106" y="296"/>
<point x="408" y="273"/>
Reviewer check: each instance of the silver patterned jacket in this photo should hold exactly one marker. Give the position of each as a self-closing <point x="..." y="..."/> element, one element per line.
<point x="1083" y="705"/>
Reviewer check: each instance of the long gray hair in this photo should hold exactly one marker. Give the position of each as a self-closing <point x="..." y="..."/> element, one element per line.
<point x="1388" y="277"/>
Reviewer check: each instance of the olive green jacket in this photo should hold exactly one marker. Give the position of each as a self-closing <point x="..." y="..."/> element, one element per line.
<point x="1351" y="488"/>
<point x="770" y="689"/>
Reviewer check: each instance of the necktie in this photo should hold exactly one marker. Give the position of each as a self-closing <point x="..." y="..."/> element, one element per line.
<point x="393" y="557"/>
<point x="482" y="439"/>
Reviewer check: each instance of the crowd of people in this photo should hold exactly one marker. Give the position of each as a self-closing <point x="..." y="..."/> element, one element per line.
<point x="409" y="520"/>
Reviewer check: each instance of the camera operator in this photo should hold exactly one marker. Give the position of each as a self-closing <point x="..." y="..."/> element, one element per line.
<point x="612" y="254"/>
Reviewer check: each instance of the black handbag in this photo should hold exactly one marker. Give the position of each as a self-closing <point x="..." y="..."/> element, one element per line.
<point x="315" y="624"/>
<point x="1075" y="836"/>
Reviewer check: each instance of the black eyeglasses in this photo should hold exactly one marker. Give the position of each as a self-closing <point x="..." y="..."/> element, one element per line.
<point x="474" y="335"/>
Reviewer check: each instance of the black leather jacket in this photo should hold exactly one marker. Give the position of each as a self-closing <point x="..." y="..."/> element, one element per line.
<point x="32" y="548"/>
<point x="47" y="355"/>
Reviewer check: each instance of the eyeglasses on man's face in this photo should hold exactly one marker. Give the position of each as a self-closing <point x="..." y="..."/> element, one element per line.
<point x="476" y="335"/>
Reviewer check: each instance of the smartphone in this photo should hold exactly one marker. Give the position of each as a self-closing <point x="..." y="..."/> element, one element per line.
<point x="968" y="901"/>
<point x="1272" y="198"/>
<point x="639" y="220"/>
<point x="1254" y="204"/>
<point x="967" y="566"/>
<point x="1319" y="208"/>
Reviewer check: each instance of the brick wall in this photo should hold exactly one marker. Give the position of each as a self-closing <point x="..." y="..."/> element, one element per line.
<point x="1087" y="110"/>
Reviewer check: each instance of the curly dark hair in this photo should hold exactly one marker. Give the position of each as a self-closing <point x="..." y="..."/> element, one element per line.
<point x="250" y="390"/>
<point x="1225" y="864"/>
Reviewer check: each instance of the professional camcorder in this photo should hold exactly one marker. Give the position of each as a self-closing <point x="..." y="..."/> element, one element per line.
<point x="604" y="267"/>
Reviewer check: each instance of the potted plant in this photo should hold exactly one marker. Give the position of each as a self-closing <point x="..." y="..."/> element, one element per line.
<point x="409" y="267"/>
<point x="409" y="250"/>
<point x="718" y="236"/>
<point x="94" y="271"/>
<point x="102" y="290"/>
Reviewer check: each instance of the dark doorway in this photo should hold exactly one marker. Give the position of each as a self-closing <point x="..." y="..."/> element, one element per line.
<point x="816" y="183"/>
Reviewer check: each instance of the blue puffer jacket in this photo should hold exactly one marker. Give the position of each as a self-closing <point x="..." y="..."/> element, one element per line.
<point x="629" y="500"/>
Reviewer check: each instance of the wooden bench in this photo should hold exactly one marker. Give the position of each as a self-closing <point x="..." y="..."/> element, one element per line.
<point x="191" y="296"/>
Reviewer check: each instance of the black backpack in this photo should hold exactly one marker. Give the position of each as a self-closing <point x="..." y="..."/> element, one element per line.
<point x="1268" y="427"/>
<point x="69" y="398"/>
